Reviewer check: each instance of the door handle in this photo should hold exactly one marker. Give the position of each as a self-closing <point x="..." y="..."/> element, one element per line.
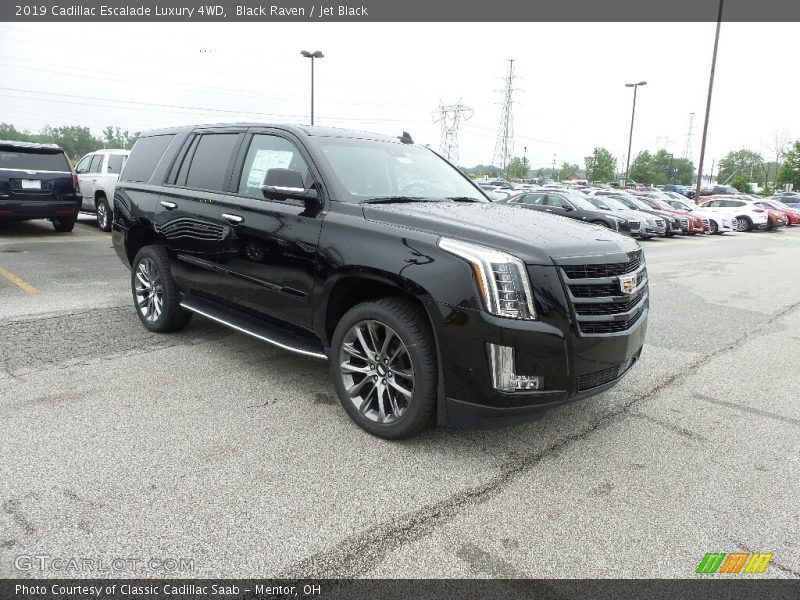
<point x="168" y="205"/>
<point x="232" y="219"/>
<point x="548" y="210"/>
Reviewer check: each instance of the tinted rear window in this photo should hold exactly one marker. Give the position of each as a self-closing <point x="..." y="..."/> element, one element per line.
<point x="145" y="156"/>
<point x="115" y="162"/>
<point x="33" y="161"/>
<point x="210" y="161"/>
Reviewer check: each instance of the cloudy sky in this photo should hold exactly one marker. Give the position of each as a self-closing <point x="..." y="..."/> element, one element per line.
<point x="569" y="91"/>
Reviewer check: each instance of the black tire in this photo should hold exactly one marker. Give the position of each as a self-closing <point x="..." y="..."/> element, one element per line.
<point x="714" y="228"/>
<point x="63" y="224"/>
<point x="103" y="214"/>
<point x="745" y="224"/>
<point x="409" y="323"/>
<point x="171" y="316"/>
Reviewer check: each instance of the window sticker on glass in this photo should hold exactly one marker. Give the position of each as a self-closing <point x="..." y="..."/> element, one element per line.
<point x="266" y="160"/>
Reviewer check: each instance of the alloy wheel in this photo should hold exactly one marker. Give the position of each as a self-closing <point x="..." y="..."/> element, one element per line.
<point x="149" y="290"/>
<point x="102" y="215"/>
<point x="377" y="372"/>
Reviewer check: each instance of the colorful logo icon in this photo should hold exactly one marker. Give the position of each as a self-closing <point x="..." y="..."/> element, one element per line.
<point x="628" y="283"/>
<point x="733" y="563"/>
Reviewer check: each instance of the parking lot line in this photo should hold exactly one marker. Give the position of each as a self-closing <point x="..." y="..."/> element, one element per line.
<point x="20" y="283"/>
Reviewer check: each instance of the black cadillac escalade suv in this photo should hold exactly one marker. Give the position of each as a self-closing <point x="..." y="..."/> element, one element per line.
<point x="376" y="254"/>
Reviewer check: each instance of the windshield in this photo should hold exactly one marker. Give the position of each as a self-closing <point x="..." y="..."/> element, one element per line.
<point x="639" y="204"/>
<point x="581" y="202"/>
<point x="612" y="203"/>
<point x="370" y="169"/>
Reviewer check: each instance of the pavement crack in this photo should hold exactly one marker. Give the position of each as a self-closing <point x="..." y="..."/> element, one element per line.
<point x="748" y="409"/>
<point x="12" y="508"/>
<point x="362" y="551"/>
<point x="688" y="433"/>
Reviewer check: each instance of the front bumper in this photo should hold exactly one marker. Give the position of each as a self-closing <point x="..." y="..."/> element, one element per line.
<point x="573" y="364"/>
<point x="23" y="210"/>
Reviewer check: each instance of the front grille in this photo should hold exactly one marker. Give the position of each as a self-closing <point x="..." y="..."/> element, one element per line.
<point x="593" y="291"/>
<point x="684" y="223"/>
<point x="596" y="271"/>
<point x="598" y="378"/>
<point x="608" y="308"/>
<point x="610" y="326"/>
<point x="634" y="224"/>
<point x="600" y="303"/>
<point x="674" y="226"/>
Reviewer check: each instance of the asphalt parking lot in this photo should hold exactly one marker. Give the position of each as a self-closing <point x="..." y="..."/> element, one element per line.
<point x="211" y="446"/>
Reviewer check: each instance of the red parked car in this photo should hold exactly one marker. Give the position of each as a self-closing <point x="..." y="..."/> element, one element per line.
<point x="791" y="215"/>
<point x="694" y="224"/>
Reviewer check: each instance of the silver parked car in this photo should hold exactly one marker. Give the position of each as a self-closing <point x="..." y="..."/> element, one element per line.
<point x="98" y="173"/>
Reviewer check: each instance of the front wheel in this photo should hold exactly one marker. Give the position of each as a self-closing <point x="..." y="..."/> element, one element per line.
<point x="155" y="293"/>
<point x="713" y="226"/>
<point x="64" y="224"/>
<point x="384" y="366"/>
<point x="103" y="215"/>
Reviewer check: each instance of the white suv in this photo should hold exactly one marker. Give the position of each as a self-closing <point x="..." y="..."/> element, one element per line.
<point x="98" y="173"/>
<point x="748" y="215"/>
<point x="718" y="222"/>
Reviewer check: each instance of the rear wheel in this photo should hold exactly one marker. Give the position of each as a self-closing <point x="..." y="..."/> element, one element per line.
<point x="745" y="224"/>
<point x="383" y="362"/>
<point x="63" y="224"/>
<point x="103" y="214"/>
<point x="155" y="292"/>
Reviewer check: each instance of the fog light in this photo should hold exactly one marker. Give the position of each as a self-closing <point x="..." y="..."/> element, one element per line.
<point x="504" y="378"/>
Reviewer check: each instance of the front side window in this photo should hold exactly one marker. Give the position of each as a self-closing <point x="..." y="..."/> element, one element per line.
<point x="83" y="166"/>
<point x="270" y="152"/>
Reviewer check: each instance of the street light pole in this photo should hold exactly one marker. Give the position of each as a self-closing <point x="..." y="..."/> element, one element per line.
<point x="635" y="87"/>
<point x="312" y="56"/>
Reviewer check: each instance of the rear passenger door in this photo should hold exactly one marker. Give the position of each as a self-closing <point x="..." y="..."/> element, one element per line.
<point x="270" y="248"/>
<point x="188" y="217"/>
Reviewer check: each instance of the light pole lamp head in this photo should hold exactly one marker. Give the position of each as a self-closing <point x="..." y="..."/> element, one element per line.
<point x="635" y="84"/>
<point x="315" y="54"/>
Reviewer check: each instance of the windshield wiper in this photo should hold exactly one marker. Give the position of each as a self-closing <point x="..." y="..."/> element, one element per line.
<point x="394" y="199"/>
<point x="465" y="199"/>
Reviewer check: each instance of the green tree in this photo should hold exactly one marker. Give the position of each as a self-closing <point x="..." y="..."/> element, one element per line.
<point x="566" y="170"/>
<point x="790" y="169"/>
<point x="601" y="166"/>
<point x="744" y="162"/>
<point x="10" y="133"/>
<point x="75" y="140"/>
<point x="742" y="183"/>
<point x="114" y="137"/>
<point x="642" y="168"/>
<point x="518" y="168"/>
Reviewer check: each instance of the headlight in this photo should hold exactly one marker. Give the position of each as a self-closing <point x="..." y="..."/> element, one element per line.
<point x="502" y="279"/>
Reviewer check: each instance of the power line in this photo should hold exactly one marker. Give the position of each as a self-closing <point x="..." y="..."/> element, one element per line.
<point x="687" y="149"/>
<point x="504" y="146"/>
<point x="450" y="115"/>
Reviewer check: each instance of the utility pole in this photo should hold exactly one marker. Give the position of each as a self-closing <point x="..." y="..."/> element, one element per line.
<point x="635" y="87"/>
<point x="708" y="106"/>
<point x="554" y="166"/>
<point x="504" y="146"/>
<point x="450" y="115"/>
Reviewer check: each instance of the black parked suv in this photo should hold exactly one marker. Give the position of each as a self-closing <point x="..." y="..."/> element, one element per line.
<point x="573" y="205"/>
<point x="37" y="182"/>
<point x="429" y="301"/>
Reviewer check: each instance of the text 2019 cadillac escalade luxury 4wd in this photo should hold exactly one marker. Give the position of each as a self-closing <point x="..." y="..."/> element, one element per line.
<point x="429" y="301"/>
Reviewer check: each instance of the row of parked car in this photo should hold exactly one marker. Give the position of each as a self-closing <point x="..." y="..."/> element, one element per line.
<point x="655" y="213"/>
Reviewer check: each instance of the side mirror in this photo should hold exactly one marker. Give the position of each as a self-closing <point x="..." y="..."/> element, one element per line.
<point x="287" y="184"/>
<point x="567" y="207"/>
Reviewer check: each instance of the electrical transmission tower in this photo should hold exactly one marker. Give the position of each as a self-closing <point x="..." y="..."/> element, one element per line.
<point x="450" y="116"/>
<point x="687" y="150"/>
<point x="504" y="146"/>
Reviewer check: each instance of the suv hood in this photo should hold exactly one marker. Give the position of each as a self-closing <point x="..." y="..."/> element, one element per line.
<point x="533" y="236"/>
